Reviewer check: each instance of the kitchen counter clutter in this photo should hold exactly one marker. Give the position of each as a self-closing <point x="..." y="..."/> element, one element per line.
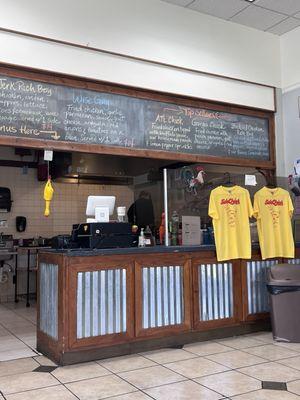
<point x="102" y="303"/>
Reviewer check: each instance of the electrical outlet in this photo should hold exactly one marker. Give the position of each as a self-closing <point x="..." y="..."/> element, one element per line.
<point x="3" y="223"/>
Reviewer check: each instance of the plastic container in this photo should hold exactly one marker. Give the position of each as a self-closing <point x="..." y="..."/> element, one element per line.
<point x="283" y="284"/>
<point x="205" y="236"/>
<point x="142" y="241"/>
<point x="121" y="212"/>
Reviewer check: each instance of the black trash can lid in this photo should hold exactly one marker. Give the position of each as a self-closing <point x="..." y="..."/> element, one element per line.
<point x="284" y="274"/>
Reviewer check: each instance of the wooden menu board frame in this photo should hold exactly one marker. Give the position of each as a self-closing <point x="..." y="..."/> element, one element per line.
<point x="83" y="83"/>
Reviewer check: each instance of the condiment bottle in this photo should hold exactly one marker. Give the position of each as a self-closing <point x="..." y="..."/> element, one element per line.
<point x="174" y="228"/>
<point x="149" y="240"/>
<point x="162" y="229"/>
<point x="142" y="242"/>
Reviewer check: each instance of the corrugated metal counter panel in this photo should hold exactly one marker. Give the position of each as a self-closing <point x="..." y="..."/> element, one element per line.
<point x="215" y="291"/>
<point x="49" y="299"/>
<point x="294" y="261"/>
<point x="163" y="302"/>
<point x="258" y="300"/>
<point x="101" y="302"/>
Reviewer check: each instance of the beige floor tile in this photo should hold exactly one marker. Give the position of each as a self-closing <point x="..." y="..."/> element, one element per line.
<point x="27" y="338"/>
<point x="10" y="343"/>
<point x="42" y="360"/>
<point x="17" y="366"/>
<point x="7" y="337"/>
<point x="293" y="362"/>
<point x="28" y="381"/>
<point x="31" y="344"/>
<point x="196" y="367"/>
<point x="21" y="332"/>
<point x="267" y="395"/>
<point x="271" y="352"/>
<point x="77" y="372"/>
<point x="230" y="383"/>
<point x="272" y="371"/>
<point x="126" y="363"/>
<point x="236" y="359"/>
<point x="266" y="337"/>
<point x="294" y="387"/>
<point x="187" y="390"/>
<point x="149" y="377"/>
<point x="164" y="356"/>
<point x="131" y="396"/>
<point x="16" y="354"/>
<point x="240" y="342"/>
<point x="51" y="393"/>
<point x="206" y="348"/>
<point x="99" y="388"/>
<point x="289" y="346"/>
<point x="3" y="331"/>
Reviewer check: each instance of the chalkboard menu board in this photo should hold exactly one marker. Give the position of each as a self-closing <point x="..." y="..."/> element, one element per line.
<point x="39" y="110"/>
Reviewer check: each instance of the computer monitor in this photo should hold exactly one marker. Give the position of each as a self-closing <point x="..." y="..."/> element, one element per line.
<point x="98" y="206"/>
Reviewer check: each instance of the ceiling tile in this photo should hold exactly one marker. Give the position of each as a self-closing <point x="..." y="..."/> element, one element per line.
<point x="258" y="18"/>
<point x="288" y="7"/>
<point x="285" y="26"/>
<point x="179" y="2"/>
<point x="219" y="8"/>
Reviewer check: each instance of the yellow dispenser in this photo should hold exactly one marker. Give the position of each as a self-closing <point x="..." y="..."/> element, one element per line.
<point x="48" y="194"/>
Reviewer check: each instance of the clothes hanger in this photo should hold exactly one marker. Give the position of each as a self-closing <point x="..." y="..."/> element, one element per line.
<point x="227" y="180"/>
<point x="271" y="180"/>
<point x="271" y="185"/>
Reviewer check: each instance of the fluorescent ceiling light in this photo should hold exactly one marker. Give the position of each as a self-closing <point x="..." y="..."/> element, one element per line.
<point x="250" y="1"/>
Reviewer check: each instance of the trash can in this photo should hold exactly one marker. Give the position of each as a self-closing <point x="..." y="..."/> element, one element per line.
<point x="283" y="284"/>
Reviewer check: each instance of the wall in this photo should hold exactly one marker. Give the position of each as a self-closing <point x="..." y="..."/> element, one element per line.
<point x="152" y="30"/>
<point x="290" y="62"/>
<point x="291" y="113"/>
<point x="290" y="59"/>
<point x="67" y="207"/>
<point x="280" y="144"/>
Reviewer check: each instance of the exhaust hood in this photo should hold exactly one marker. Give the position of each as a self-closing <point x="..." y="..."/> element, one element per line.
<point x="104" y="169"/>
<point x="90" y="168"/>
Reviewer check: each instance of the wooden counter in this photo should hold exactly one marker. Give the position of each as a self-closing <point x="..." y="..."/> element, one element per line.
<point x="98" y="304"/>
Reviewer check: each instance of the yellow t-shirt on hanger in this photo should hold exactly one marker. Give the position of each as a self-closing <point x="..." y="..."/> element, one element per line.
<point x="273" y="209"/>
<point x="230" y="209"/>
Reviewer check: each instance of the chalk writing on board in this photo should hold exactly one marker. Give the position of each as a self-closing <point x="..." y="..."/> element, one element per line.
<point x="41" y="110"/>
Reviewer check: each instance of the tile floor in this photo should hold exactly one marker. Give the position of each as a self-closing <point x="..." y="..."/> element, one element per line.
<point x="232" y="368"/>
<point x="17" y="331"/>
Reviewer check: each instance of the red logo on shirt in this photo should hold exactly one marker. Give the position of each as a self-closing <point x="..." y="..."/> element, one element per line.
<point x="230" y="201"/>
<point x="274" y="202"/>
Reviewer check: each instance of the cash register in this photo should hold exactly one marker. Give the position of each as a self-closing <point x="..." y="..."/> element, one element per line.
<point x="98" y="232"/>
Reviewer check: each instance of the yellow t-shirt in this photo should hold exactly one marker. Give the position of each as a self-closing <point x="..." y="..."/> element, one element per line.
<point x="230" y="208"/>
<point x="273" y="209"/>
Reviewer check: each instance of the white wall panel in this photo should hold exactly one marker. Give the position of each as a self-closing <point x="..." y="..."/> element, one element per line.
<point x="154" y="30"/>
<point x="290" y="59"/>
<point x="50" y="56"/>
